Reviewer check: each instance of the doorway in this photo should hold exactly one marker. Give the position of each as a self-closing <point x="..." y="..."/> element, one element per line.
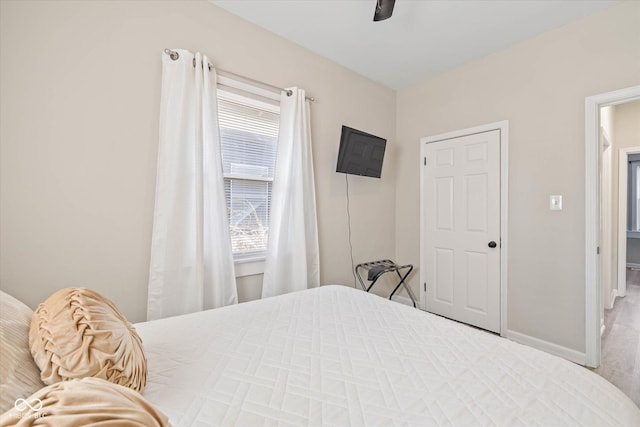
<point x="628" y="206"/>
<point x="463" y="240"/>
<point x="620" y="136"/>
<point x="593" y="261"/>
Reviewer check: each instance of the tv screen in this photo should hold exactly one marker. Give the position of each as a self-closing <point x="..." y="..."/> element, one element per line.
<point x="360" y="153"/>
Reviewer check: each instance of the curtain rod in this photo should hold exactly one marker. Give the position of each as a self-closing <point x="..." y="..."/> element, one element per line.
<point x="175" y="55"/>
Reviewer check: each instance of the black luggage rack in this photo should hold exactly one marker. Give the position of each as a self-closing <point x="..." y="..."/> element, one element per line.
<point x="375" y="269"/>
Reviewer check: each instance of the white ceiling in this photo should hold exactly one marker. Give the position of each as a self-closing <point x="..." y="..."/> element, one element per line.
<point x="422" y="38"/>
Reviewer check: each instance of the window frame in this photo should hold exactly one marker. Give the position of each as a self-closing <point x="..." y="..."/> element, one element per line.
<point x="251" y="263"/>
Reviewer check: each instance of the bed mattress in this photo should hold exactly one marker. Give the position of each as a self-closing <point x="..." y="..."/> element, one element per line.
<point x="336" y="356"/>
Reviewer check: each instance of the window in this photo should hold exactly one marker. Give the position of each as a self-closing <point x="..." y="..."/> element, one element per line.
<point x="249" y="137"/>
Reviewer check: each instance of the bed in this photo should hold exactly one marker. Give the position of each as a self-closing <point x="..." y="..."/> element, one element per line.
<point x="336" y="356"/>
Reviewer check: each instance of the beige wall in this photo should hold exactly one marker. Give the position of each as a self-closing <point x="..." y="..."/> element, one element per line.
<point x="540" y="86"/>
<point x="80" y="84"/>
<point x="627" y="124"/>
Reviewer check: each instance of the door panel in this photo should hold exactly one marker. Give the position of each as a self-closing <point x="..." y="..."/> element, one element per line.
<point x="476" y="282"/>
<point x="444" y="203"/>
<point x="443" y="271"/>
<point x="476" y="193"/>
<point x="461" y="205"/>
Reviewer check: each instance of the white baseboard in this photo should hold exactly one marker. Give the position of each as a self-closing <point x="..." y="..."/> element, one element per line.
<point x="614" y="295"/>
<point x="633" y="265"/>
<point x="602" y="327"/>
<point x="549" y="347"/>
<point x="402" y="300"/>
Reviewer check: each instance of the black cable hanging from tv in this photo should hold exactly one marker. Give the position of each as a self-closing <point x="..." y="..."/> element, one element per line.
<point x="384" y="9"/>
<point x="353" y="269"/>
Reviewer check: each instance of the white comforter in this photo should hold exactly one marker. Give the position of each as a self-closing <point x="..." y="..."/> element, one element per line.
<point x="335" y="356"/>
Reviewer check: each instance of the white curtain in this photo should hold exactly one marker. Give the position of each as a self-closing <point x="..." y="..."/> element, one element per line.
<point x="292" y="261"/>
<point x="191" y="265"/>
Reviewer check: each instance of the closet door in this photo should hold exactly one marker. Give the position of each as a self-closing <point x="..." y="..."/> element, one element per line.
<point x="461" y="228"/>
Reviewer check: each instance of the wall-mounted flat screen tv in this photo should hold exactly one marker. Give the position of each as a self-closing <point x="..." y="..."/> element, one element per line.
<point x="360" y="153"/>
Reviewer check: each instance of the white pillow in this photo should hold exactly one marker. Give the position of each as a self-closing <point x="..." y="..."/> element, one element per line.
<point x="19" y="374"/>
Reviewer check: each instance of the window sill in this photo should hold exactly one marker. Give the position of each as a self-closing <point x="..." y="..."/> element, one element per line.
<point x="249" y="267"/>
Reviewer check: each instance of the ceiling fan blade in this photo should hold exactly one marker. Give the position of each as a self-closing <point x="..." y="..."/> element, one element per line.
<point x="384" y="9"/>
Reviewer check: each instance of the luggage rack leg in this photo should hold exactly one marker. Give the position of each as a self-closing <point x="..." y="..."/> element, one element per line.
<point x="403" y="283"/>
<point x="387" y="266"/>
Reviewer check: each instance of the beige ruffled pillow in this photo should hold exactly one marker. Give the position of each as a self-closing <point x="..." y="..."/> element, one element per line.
<point x="84" y="402"/>
<point x="78" y="333"/>
<point x="19" y="375"/>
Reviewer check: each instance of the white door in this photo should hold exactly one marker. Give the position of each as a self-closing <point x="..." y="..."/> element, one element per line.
<point x="461" y="228"/>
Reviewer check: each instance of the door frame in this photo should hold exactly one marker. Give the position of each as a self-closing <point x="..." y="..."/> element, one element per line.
<point x="606" y="210"/>
<point x="503" y="127"/>
<point x="593" y="288"/>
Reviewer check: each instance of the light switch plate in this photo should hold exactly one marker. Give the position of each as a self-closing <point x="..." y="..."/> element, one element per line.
<point x="555" y="202"/>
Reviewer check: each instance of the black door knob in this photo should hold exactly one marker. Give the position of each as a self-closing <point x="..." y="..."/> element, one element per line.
<point x="492" y="244"/>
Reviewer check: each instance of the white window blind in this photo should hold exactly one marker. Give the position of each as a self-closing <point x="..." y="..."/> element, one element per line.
<point x="249" y="137"/>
